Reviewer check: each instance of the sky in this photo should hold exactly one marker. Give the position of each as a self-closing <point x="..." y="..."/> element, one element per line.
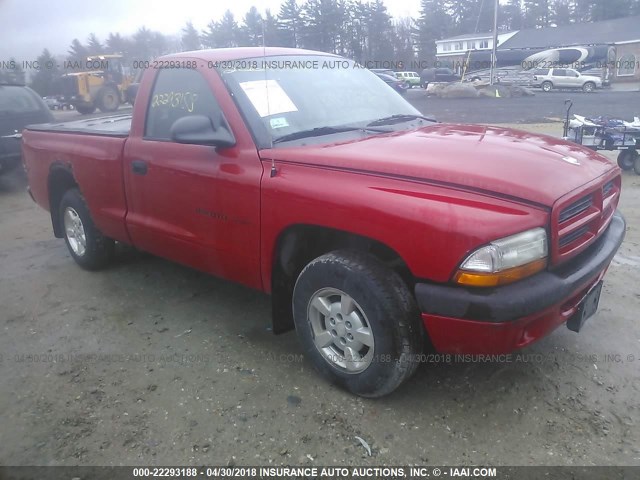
<point x="28" y="26"/>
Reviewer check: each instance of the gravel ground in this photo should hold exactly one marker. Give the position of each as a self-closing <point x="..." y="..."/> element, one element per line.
<point x="149" y="362"/>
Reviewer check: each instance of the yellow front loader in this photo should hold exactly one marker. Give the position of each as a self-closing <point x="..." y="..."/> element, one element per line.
<point x="102" y="86"/>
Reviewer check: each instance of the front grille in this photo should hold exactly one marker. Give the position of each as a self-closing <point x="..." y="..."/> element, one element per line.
<point x="576" y="208"/>
<point x="573" y="236"/>
<point x="579" y="221"/>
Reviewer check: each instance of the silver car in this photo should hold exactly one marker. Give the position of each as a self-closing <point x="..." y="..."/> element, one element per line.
<point x="550" y="78"/>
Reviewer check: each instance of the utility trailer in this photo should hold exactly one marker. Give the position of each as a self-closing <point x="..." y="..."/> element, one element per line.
<point x="606" y="133"/>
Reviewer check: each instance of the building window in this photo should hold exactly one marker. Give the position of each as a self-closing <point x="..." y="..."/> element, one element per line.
<point x="484" y="43"/>
<point x="447" y="47"/>
<point x="627" y="65"/>
<point x="459" y="46"/>
<point x="471" y="45"/>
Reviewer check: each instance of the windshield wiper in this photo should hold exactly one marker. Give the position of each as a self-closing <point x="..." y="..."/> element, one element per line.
<point x="320" y="131"/>
<point x="398" y="119"/>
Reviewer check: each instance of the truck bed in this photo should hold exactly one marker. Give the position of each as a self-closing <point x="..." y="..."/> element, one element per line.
<point x="112" y="126"/>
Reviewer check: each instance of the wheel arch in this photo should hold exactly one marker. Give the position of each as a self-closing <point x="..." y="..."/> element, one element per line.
<point x="60" y="180"/>
<point x="298" y="244"/>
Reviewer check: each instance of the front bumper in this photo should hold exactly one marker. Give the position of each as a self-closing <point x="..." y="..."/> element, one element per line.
<point x="503" y="319"/>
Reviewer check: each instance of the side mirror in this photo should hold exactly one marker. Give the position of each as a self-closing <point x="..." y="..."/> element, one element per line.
<point x="199" y="130"/>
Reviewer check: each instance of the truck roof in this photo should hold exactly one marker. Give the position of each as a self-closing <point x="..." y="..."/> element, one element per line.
<point x="238" y="53"/>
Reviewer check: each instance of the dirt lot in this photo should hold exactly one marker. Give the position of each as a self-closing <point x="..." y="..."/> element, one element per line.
<point x="152" y="363"/>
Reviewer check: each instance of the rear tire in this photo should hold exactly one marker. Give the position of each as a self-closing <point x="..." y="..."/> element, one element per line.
<point x="108" y="99"/>
<point x="547" y="87"/>
<point x="357" y="322"/>
<point x="626" y="159"/>
<point x="87" y="245"/>
<point x="636" y="162"/>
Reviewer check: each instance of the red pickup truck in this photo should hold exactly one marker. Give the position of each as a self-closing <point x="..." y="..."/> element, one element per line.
<point x="376" y="230"/>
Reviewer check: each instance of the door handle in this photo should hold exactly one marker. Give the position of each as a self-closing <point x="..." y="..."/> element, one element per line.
<point x="139" y="167"/>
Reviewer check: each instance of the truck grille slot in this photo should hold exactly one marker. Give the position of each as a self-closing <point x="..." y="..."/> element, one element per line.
<point x="576" y="208"/>
<point x="579" y="221"/>
<point x="573" y="236"/>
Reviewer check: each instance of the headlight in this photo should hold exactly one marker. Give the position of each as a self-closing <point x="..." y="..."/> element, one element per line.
<point x="506" y="260"/>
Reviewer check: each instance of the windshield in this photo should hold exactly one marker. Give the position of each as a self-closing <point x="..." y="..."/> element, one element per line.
<point x="299" y="93"/>
<point x="17" y="99"/>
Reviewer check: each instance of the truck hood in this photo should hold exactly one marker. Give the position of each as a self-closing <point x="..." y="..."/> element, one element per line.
<point x="533" y="168"/>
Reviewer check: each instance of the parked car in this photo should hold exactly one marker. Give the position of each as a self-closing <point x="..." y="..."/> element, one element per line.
<point x="373" y="228"/>
<point x="19" y="106"/>
<point x="436" y="75"/>
<point x="397" y="84"/>
<point x="550" y="78"/>
<point x="56" y="103"/>
<point x="602" y="73"/>
<point x="411" y="78"/>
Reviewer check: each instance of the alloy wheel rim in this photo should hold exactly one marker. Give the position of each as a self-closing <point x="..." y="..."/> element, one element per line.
<point x="74" y="230"/>
<point x="341" y="331"/>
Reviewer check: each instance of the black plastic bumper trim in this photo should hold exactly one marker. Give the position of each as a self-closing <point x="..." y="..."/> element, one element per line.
<point x="526" y="297"/>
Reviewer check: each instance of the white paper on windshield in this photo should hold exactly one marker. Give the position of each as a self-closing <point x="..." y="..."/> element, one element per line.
<point x="268" y="97"/>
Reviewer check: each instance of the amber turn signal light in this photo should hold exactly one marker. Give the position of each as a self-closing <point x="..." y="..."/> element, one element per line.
<point x="475" y="279"/>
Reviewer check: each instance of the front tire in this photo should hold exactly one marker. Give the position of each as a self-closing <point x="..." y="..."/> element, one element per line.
<point x="108" y="99"/>
<point x="357" y="322"/>
<point x="588" y="87"/>
<point x="85" y="109"/>
<point x="547" y="87"/>
<point x="87" y="245"/>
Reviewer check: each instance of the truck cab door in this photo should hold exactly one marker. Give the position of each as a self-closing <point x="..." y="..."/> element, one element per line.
<point x="195" y="204"/>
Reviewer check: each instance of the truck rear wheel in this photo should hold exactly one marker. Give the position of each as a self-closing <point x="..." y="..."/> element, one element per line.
<point x="87" y="245"/>
<point x="108" y="99"/>
<point x="626" y="159"/>
<point x="357" y="322"/>
<point x="636" y="161"/>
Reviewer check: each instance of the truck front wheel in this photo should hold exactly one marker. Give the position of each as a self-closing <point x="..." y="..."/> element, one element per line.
<point x="87" y="245"/>
<point x="85" y="109"/>
<point x="357" y="322"/>
<point x="108" y="99"/>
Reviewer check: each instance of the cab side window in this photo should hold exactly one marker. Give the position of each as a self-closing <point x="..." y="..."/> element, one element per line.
<point x="178" y="93"/>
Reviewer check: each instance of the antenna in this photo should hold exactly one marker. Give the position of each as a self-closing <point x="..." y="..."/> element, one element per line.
<point x="274" y="171"/>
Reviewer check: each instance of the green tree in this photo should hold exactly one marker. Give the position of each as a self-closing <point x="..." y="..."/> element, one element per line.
<point x="271" y="29"/>
<point x="434" y="24"/>
<point x="45" y="77"/>
<point x="511" y="17"/>
<point x="537" y="13"/>
<point x="252" y="28"/>
<point x="610" y="9"/>
<point x="403" y="40"/>
<point x="379" y="32"/>
<point x="323" y="27"/>
<point x="563" y="12"/>
<point x="94" y="47"/>
<point x="290" y="21"/>
<point x="190" y="38"/>
<point x="77" y="52"/>
<point x="117" y="44"/>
